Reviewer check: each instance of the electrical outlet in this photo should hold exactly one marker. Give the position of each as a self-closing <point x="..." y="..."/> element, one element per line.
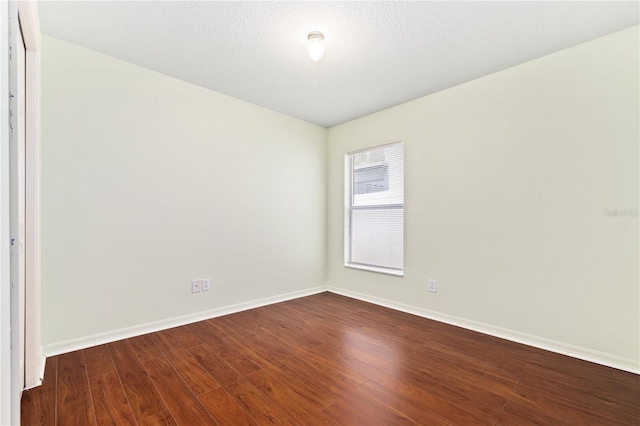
<point x="433" y="286"/>
<point x="196" y="285"/>
<point x="205" y="284"/>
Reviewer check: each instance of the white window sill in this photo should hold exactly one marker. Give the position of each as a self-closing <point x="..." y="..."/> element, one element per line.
<point x="377" y="269"/>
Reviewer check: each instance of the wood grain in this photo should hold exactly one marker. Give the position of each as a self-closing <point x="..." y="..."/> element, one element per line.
<point x="225" y="409"/>
<point x="326" y="360"/>
<point x="163" y="418"/>
<point x="140" y="391"/>
<point x="306" y="411"/>
<point x="98" y="361"/>
<point x="194" y="375"/>
<point x="74" y="405"/>
<point x="182" y="403"/>
<point x="109" y="401"/>
<point x="38" y="406"/>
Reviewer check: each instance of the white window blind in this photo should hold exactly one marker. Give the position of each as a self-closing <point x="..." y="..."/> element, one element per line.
<point x="374" y="209"/>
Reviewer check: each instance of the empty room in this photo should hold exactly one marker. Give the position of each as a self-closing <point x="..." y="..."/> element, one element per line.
<point x="305" y="213"/>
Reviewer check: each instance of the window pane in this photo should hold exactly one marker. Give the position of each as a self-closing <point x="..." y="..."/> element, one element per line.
<point x="371" y="179"/>
<point x="378" y="176"/>
<point x="374" y="235"/>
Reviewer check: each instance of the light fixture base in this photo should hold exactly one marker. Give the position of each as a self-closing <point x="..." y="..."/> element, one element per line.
<point x="315" y="35"/>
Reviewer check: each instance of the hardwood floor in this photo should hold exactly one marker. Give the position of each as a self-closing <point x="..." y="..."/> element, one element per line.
<point x="326" y="359"/>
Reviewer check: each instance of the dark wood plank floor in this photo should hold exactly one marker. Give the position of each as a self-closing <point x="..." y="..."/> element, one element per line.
<point x="326" y="359"/>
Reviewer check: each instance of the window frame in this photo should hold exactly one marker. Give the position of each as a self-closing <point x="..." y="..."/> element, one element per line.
<point x="350" y="206"/>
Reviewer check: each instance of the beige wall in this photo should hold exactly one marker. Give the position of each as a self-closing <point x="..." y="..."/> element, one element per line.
<point x="509" y="181"/>
<point x="149" y="182"/>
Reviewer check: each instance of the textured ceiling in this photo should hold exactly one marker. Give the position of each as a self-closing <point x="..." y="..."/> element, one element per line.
<point x="378" y="54"/>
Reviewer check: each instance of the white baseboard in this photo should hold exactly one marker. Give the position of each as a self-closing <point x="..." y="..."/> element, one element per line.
<point x="128" y="332"/>
<point x="597" y="357"/>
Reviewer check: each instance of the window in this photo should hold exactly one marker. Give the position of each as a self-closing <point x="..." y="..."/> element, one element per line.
<point x="374" y="209"/>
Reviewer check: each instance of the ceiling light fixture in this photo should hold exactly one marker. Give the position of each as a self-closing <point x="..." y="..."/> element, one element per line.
<point x="316" y="45"/>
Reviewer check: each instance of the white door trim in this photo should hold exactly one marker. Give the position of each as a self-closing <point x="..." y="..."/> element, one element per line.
<point x="6" y="387"/>
<point x="34" y="361"/>
<point x="22" y="368"/>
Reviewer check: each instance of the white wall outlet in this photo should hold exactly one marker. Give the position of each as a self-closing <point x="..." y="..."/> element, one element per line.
<point x="196" y="285"/>
<point x="433" y="286"/>
<point x="205" y="284"/>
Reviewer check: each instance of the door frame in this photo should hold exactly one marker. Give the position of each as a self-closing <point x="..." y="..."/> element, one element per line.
<point x="13" y="380"/>
<point x="34" y="360"/>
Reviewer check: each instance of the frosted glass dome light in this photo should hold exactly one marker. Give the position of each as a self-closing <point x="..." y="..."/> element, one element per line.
<point x="316" y="45"/>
